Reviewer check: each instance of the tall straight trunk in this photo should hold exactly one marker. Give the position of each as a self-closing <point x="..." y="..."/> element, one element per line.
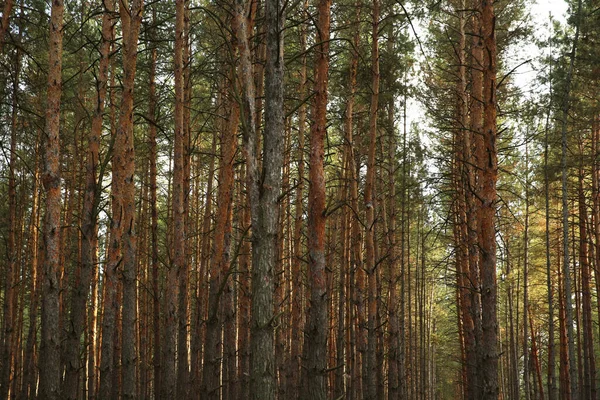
<point x="28" y="388"/>
<point x="297" y="281"/>
<point x="476" y="141"/>
<point x="596" y="214"/>
<point x="526" y="280"/>
<point x="124" y="159"/>
<point x="356" y="278"/>
<point x="172" y="382"/>
<point x="110" y="305"/>
<point x="219" y="262"/>
<point x="205" y="246"/>
<point x="589" y="362"/>
<point x="465" y="218"/>
<point x="393" y="272"/>
<point x="184" y="263"/>
<point x="565" y="216"/>
<point x="403" y="386"/>
<point x="11" y="274"/>
<point x="266" y="190"/>
<point x="551" y="380"/>
<point x="316" y="331"/>
<point x="339" y="389"/>
<point x="564" y="376"/>
<point x="371" y="362"/>
<point x="536" y="359"/>
<point x="157" y="349"/>
<point x="80" y="290"/>
<point x="487" y="155"/>
<point x="50" y="343"/>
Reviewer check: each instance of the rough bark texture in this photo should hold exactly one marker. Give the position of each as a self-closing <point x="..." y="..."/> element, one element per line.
<point x="50" y="344"/>
<point x="264" y="234"/>
<point x="124" y="159"/>
<point x="487" y="243"/>
<point x="315" y="354"/>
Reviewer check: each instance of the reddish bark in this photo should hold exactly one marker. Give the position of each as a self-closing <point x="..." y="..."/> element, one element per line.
<point x="316" y="330"/>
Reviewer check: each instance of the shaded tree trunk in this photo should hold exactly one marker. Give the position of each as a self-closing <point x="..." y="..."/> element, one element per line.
<point x="50" y="343"/>
<point x="371" y="361"/>
<point x="315" y="350"/>
<point x="487" y="155"/>
<point x="124" y="158"/>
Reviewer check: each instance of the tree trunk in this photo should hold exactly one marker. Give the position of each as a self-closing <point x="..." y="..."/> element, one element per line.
<point x="371" y="362"/>
<point x="11" y="274"/>
<point x="297" y="281"/>
<point x="526" y="281"/>
<point x="487" y="155"/>
<point x="50" y="344"/>
<point x="124" y="158"/>
<point x="172" y="379"/>
<point x="551" y="380"/>
<point x="157" y="345"/>
<point x="589" y="363"/>
<point x="316" y="331"/>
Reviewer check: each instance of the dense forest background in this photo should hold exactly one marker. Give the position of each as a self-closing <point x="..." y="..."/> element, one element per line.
<point x="267" y="199"/>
